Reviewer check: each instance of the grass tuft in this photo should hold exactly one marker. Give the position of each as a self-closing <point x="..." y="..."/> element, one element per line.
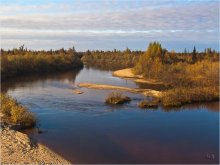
<point x="117" y="98"/>
<point x="149" y="103"/>
<point x="15" y="113"/>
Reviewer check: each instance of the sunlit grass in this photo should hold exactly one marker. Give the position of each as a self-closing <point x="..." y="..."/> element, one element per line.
<point x="15" y="113"/>
<point x="117" y="98"/>
<point x="14" y="65"/>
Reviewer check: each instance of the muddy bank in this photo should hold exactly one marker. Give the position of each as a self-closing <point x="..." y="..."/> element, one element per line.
<point x="146" y="92"/>
<point x="18" y="148"/>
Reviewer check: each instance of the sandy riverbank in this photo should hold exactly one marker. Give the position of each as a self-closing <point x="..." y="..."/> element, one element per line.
<point x="146" y="92"/>
<point x="129" y="73"/>
<point x="126" y="73"/>
<point x="18" y="148"/>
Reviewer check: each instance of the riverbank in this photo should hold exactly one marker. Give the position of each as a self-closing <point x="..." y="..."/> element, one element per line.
<point x="18" y="148"/>
<point x="175" y="96"/>
<point x="29" y="63"/>
<point x="146" y="92"/>
<point x="129" y="73"/>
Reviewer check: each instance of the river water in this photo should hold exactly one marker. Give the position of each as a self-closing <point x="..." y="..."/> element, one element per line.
<point x="83" y="129"/>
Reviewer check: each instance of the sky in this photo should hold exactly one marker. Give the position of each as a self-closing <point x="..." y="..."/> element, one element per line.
<point x="109" y="24"/>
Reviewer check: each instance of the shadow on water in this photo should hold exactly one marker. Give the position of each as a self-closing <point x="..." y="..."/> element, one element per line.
<point x="15" y="82"/>
<point x="210" y="106"/>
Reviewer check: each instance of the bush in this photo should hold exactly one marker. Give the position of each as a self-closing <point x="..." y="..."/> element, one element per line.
<point x="149" y="104"/>
<point x="111" y="60"/>
<point x="179" y="96"/>
<point x="117" y="98"/>
<point x="14" y="65"/>
<point x="15" y="113"/>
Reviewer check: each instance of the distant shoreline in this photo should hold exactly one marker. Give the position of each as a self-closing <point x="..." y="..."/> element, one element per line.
<point x="167" y="96"/>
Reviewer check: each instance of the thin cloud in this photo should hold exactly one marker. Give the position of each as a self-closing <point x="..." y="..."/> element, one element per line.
<point x="109" y="21"/>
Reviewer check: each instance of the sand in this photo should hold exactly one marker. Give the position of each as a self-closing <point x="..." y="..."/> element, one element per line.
<point x="76" y="91"/>
<point x="146" y="92"/>
<point x="18" y="148"/>
<point x="129" y="73"/>
<point x="126" y="73"/>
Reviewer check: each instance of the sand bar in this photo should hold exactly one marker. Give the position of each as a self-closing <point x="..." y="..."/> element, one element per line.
<point x="129" y="73"/>
<point x="146" y="92"/>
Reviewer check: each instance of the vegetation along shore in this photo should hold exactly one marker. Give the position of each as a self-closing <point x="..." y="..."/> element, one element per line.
<point x="22" y="61"/>
<point x="17" y="147"/>
<point x="190" y="76"/>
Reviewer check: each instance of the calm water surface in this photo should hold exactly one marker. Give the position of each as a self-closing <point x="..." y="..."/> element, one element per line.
<point x="83" y="129"/>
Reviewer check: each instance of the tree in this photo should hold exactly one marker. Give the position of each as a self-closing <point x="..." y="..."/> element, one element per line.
<point x="74" y="50"/>
<point x="185" y="51"/>
<point x="70" y="51"/>
<point x="194" y="55"/>
<point x="127" y="50"/>
<point x="21" y="48"/>
<point x="151" y="60"/>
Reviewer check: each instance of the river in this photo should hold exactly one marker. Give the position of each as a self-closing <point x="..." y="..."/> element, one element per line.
<point x="83" y="129"/>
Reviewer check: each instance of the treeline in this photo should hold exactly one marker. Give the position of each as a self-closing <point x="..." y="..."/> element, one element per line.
<point x="22" y="61"/>
<point x="179" y="69"/>
<point x="194" y="76"/>
<point x="116" y="59"/>
<point x="111" y="60"/>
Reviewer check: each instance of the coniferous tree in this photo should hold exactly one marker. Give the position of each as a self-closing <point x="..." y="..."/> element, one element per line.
<point x="194" y="55"/>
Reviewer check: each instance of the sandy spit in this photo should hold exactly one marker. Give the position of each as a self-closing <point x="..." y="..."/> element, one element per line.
<point x="129" y="73"/>
<point x="146" y="92"/>
<point x="18" y="148"/>
<point x="126" y="73"/>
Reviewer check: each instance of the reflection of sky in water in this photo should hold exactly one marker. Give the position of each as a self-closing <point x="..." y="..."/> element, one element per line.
<point x="105" y="77"/>
<point x="84" y="129"/>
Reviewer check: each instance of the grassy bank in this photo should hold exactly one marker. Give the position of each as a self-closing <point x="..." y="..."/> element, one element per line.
<point x="15" y="113"/>
<point x="21" y="61"/>
<point x="179" y="96"/>
<point x="117" y="98"/>
<point x="194" y="76"/>
<point x="24" y="62"/>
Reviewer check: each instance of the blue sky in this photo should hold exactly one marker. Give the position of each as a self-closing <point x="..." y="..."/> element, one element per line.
<point x="102" y="24"/>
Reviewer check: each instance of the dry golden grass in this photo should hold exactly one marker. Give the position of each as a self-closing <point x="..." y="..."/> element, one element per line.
<point x="14" y="65"/>
<point x="117" y="98"/>
<point x="15" y="113"/>
<point x="180" y="96"/>
<point x="149" y="103"/>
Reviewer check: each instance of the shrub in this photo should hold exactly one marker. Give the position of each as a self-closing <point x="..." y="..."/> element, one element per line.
<point x="117" y="98"/>
<point x="111" y="60"/>
<point x="179" y="96"/>
<point x="14" y="65"/>
<point x="148" y="103"/>
<point x="15" y="113"/>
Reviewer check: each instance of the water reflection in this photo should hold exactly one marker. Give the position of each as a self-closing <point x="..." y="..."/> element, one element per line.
<point x="21" y="81"/>
<point x="210" y="106"/>
<point x="84" y="129"/>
